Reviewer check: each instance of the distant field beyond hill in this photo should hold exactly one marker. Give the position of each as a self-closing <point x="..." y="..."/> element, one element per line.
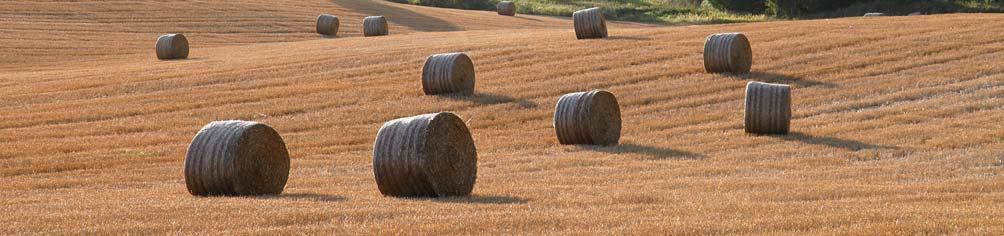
<point x="652" y="11"/>
<point x="675" y="12"/>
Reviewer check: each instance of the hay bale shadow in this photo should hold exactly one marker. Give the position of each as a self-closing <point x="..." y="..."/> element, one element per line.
<point x="780" y="79"/>
<point x="651" y="151"/>
<point x="490" y="199"/>
<point x="628" y="38"/>
<point x="849" y="145"/>
<point x="526" y="18"/>
<point x="305" y="196"/>
<point x="491" y="99"/>
<point x="190" y="59"/>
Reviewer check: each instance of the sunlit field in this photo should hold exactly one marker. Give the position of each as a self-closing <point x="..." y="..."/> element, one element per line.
<point x="896" y="125"/>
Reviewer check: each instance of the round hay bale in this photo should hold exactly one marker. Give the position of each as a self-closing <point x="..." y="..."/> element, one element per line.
<point x="327" y="25"/>
<point x="431" y="155"/>
<point x="768" y="108"/>
<point x="727" y="52"/>
<point x="592" y="117"/>
<point x="448" y="73"/>
<point x="236" y="158"/>
<point x="874" y="14"/>
<point x="590" y="24"/>
<point x="172" y="46"/>
<point x="506" y="8"/>
<point x="374" y="26"/>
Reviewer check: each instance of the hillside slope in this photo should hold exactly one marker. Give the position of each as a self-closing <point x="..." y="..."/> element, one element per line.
<point x="39" y="32"/>
<point x="896" y="130"/>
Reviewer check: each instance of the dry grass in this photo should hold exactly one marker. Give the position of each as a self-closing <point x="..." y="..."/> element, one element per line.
<point x="896" y="125"/>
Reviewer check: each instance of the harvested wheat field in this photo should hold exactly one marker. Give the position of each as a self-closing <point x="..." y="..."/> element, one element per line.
<point x="895" y="125"/>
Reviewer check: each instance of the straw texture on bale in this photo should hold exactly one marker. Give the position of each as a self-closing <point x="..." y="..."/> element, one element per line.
<point x="727" y="52"/>
<point x="327" y="25"/>
<point x="506" y="8"/>
<point x="374" y="26"/>
<point x="172" y="46"/>
<point x="448" y="73"/>
<point x="768" y="108"/>
<point x="589" y="23"/>
<point x="873" y="14"/>
<point x="592" y="117"/>
<point x="431" y="155"/>
<point x="236" y="158"/>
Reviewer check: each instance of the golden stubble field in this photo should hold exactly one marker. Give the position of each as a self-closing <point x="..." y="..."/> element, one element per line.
<point x="897" y="122"/>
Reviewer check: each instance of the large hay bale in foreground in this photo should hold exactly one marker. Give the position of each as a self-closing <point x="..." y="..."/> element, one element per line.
<point x="874" y="14"/>
<point x="431" y="155"/>
<point x="327" y="25"/>
<point x="768" y="108"/>
<point x="589" y="23"/>
<point x="592" y="117"/>
<point x="448" y="73"/>
<point x="506" y="8"/>
<point x="728" y="52"/>
<point x="236" y="158"/>
<point x="172" y="46"/>
<point x="374" y="26"/>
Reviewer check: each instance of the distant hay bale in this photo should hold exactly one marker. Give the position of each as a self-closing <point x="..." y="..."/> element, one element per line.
<point x="374" y="26"/>
<point x="506" y="8"/>
<point x="327" y="25"/>
<point x="236" y="158"/>
<point x="727" y="52"/>
<point x="592" y="117"/>
<point x="916" y="13"/>
<point x="768" y="108"/>
<point x="172" y="46"/>
<point x="448" y="73"/>
<point x="589" y="23"/>
<point x="431" y="155"/>
<point x="874" y="14"/>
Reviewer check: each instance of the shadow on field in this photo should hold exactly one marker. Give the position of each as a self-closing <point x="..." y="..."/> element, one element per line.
<point x="850" y="145"/>
<point x="492" y="99"/>
<point x="397" y="15"/>
<point x="527" y="18"/>
<point x="306" y="196"/>
<point x="493" y="199"/>
<point x="781" y="79"/>
<point x="183" y="60"/>
<point x="631" y="38"/>
<point x="654" y="152"/>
